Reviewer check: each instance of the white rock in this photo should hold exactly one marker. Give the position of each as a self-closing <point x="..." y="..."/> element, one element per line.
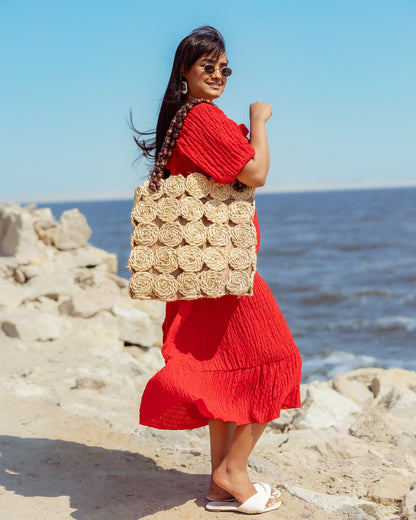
<point x="109" y="260"/>
<point x="127" y="361"/>
<point x="389" y="489"/>
<point x="131" y="326"/>
<point x="97" y="334"/>
<point x="409" y="505"/>
<point x="349" y="387"/>
<point x="324" y="408"/>
<point x="30" y="326"/>
<point x="86" y="303"/>
<point x="285" y="419"/>
<point x="19" y="276"/>
<point x="6" y="218"/>
<point x="149" y="361"/>
<point x="29" y="390"/>
<point x="32" y="270"/>
<point x="141" y="332"/>
<point x="400" y="402"/>
<point x="43" y="215"/>
<point x="382" y="381"/>
<point x="44" y="222"/>
<point x="96" y="378"/>
<point x="42" y="303"/>
<point x="72" y="230"/>
<point x="329" y="503"/>
<point x="369" y="425"/>
<point x="140" y="324"/>
<point x="53" y="286"/>
<point x="99" y="280"/>
<point x="11" y="295"/>
<point x="43" y="264"/>
<point x="156" y="310"/>
<point x="8" y="264"/>
<point x="129" y="314"/>
<point x="122" y="284"/>
<point x="85" y="256"/>
<point x="17" y="235"/>
<point x="355" y="513"/>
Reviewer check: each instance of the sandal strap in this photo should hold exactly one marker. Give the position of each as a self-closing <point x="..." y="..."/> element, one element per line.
<point x="257" y="502"/>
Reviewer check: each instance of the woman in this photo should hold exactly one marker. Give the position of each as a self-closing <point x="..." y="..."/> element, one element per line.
<point x="230" y="362"/>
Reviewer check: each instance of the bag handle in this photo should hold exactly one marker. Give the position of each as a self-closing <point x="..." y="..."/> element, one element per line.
<point x="170" y="142"/>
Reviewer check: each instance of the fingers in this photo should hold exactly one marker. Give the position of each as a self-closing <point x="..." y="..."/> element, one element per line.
<point x="260" y="110"/>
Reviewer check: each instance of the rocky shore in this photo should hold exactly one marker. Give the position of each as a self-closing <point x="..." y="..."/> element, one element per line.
<point x="76" y="353"/>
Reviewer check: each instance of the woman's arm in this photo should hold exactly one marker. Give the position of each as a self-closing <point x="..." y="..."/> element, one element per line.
<point x="254" y="173"/>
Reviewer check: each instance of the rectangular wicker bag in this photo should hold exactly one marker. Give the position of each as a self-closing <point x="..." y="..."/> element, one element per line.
<point x="193" y="238"/>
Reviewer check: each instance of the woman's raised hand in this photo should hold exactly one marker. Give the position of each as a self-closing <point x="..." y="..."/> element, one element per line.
<point x="254" y="173"/>
<point x="260" y="111"/>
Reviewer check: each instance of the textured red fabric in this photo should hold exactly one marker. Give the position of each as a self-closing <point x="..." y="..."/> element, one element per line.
<point x="231" y="358"/>
<point x="209" y="142"/>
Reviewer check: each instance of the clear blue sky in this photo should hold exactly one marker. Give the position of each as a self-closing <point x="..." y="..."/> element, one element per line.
<point x="341" y="78"/>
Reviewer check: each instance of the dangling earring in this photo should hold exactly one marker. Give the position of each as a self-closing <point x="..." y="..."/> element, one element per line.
<point x="184" y="87"/>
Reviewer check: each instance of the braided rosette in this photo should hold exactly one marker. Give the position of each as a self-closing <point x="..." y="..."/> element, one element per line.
<point x="192" y="238"/>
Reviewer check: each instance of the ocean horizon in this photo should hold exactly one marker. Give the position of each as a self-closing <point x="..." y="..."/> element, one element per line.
<point x="125" y="195"/>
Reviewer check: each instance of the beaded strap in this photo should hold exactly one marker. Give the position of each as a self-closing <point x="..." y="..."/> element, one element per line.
<point x="169" y="144"/>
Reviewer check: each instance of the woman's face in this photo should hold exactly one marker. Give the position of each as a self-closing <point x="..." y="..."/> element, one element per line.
<point x="204" y="85"/>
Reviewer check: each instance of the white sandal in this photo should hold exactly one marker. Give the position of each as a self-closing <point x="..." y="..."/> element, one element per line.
<point x="232" y="499"/>
<point x="253" y="505"/>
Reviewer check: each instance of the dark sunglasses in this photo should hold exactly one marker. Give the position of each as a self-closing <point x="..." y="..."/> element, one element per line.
<point x="210" y="69"/>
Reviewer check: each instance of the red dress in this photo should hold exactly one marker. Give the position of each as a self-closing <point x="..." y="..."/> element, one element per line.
<point x="230" y="358"/>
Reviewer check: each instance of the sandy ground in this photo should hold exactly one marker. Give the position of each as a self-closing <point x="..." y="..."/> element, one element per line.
<point x="59" y="467"/>
<point x="71" y="448"/>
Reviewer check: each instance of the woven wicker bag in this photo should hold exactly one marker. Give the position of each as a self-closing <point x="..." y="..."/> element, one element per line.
<point x="193" y="238"/>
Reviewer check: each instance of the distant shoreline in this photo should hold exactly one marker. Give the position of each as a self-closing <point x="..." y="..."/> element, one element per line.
<point x="261" y="191"/>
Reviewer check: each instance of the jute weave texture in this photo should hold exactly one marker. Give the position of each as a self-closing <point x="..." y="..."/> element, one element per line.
<point x="193" y="238"/>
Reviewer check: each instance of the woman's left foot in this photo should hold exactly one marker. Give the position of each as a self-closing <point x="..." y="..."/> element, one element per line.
<point x="257" y="503"/>
<point x="217" y="493"/>
<point x="238" y="485"/>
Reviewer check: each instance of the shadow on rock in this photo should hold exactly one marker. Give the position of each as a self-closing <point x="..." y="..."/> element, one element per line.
<point x="101" y="483"/>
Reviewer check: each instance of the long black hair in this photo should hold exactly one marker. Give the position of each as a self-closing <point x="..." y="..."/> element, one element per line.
<point x="202" y="41"/>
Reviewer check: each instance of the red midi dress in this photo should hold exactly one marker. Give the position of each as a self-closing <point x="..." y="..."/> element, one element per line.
<point x="230" y="358"/>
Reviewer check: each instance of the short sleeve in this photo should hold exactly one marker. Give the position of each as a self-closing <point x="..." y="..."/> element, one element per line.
<point x="215" y="143"/>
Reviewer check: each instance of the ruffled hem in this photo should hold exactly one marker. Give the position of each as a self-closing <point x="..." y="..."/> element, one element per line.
<point x="247" y="395"/>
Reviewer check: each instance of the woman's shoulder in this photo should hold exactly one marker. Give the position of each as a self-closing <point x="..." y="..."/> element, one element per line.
<point x="206" y="115"/>
<point x="214" y="143"/>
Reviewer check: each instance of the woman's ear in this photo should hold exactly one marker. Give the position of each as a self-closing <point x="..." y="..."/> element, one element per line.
<point x="182" y="72"/>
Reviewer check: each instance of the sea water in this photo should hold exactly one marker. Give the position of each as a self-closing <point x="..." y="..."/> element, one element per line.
<point x="340" y="264"/>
